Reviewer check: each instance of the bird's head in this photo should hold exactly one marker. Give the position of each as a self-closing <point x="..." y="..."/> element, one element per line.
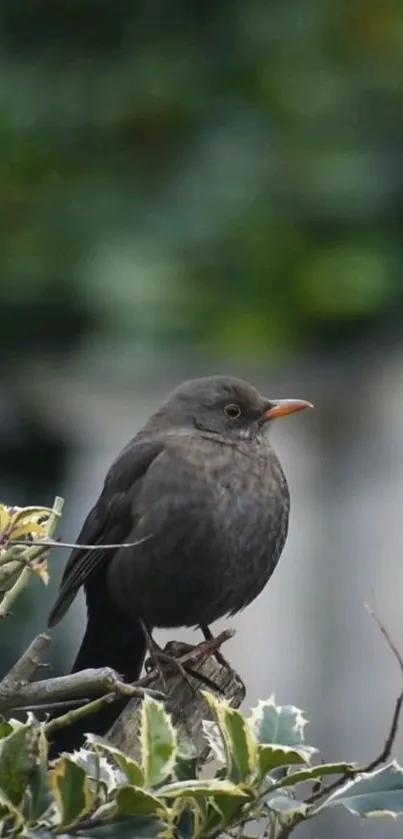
<point x="223" y="405"/>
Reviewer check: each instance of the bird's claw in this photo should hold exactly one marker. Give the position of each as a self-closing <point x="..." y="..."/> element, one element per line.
<point x="158" y="659"/>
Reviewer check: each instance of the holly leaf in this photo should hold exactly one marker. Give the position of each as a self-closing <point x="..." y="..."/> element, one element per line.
<point x="5" y="519"/>
<point x="130" y="769"/>
<point x="28" y="522"/>
<point x="215" y="740"/>
<point x="279" y="730"/>
<point x="72" y="791"/>
<point x="5" y="728"/>
<point x="97" y="768"/>
<point x="240" y="743"/>
<point x="314" y="773"/>
<point x="38" y="798"/>
<point x="133" y="801"/>
<point x="220" y="812"/>
<point x="378" y="793"/>
<point x="19" y="756"/>
<point x="186" y="768"/>
<point x="159" y="743"/>
<point x="208" y="787"/>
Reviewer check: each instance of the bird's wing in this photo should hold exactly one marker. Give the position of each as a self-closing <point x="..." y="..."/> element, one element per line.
<point x="109" y="522"/>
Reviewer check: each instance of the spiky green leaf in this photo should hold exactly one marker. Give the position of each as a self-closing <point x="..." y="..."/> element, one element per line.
<point x="186" y="768"/>
<point x="38" y="799"/>
<point x="131" y="770"/>
<point x="220" y="812"/>
<point x="19" y="756"/>
<point x="314" y="773"/>
<point x="202" y="789"/>
<point x="378" y="793"/>
<point x="5" y="728"/>
<point x="72" y="791"/>
<point x="10" y="813"/>
<point x="215" y="740"/>
<point x="134" y="801"/>
<point x="159" y="744"/>
<point x="273" y="757"/>
<point x="98" y="768"/>
<point x="279" y="729"/>
<point x="240" y="743"/>
<point x="280" y="802"/>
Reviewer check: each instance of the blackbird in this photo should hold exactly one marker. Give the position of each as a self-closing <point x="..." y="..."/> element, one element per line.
<point x="201" y="492"/>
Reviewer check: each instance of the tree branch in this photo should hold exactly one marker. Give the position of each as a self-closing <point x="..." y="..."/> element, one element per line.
<point x="14" y="592"/>
<point x="82" y="685"/>
<point x="25" y="667"/>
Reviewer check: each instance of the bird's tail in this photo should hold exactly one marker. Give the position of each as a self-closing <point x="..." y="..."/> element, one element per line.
<point x="110" y="640"/>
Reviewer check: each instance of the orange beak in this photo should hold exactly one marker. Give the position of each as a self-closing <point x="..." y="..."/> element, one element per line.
<point x="283" y="407"/>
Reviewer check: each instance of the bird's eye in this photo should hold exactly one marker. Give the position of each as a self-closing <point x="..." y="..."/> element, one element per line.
<point x="232" y="411"/>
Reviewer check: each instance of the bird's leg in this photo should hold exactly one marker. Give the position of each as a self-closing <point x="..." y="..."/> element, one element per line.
<point x="210" y="637"/>
<point x="157" y="655"/>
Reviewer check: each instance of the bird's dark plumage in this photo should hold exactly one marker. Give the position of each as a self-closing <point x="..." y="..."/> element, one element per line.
<point x="202" y="493"/>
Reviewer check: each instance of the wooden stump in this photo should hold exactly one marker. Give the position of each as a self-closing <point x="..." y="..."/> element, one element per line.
<point x="184" y="702"/>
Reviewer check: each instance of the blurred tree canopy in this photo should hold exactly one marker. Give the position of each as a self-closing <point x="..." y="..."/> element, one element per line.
<point x="217" y="177"/>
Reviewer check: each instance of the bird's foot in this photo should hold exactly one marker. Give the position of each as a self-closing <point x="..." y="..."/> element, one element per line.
<point x="185" y="654"/>
<point x="158" y="658"/>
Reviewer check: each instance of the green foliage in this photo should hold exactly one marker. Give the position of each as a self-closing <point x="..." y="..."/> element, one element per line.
<point x="25" y="536"/>
<point x="189" y="193"/>
<point x="264" y="773"/>
<point x="158" y="743"/>
<point x="375" y="793"/>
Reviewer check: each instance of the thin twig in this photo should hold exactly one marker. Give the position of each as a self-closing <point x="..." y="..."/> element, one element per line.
<point x="53" y="706"/>
<point x="79" y="713"/>
<point x="50" y="543"/>
<point x="392" y="646"/>
<point x="388" y="746"/>
<point x="390" y="739"/>
<point x="326" y="790"/>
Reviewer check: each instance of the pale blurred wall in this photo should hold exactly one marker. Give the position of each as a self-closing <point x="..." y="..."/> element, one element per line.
<point x="308" y="637"/>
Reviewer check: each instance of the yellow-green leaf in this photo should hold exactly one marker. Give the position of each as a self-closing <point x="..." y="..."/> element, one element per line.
<point x="19" y="755"/>
<point x="240" y="743"/>
<point x="5" y="518"/>
<point x="159" y="745"/>
<point x="72" y="792"/>
<point x="313" y="773"/>
<point x="208" y="787"/>
<point x="126" y="764"/>
<point x="134" y="801"/>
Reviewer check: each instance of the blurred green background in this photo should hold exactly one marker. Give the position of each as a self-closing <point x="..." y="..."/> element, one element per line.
<point x="206" y="187"/>
<point x="218" y="177"/>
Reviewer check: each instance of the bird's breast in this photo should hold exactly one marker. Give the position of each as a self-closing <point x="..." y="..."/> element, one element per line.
<point x="218" y="516"/>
